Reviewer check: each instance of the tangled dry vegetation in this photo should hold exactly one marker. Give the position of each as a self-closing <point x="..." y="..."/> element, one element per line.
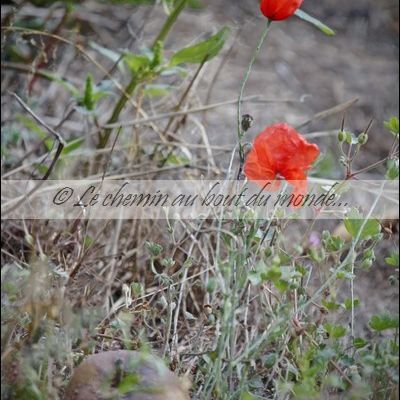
<point x="232" y="314"/>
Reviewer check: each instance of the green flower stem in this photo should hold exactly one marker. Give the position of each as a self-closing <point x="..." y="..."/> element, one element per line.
<point x="117" y="111"/>
<point x="242" y="89"/>
<point x="135" y="80"/>
<point x="181" y="4"/>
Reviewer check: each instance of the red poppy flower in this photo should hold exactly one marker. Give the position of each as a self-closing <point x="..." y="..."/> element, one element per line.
<point x="278" y="10"/>
<point x="281" y="152"/>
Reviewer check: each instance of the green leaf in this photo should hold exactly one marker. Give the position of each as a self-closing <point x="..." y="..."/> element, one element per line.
<point x="349" y="304"/>
<point x="168" y="5"/>
<point x="136" y="62"/>
<point x="314" y="21"/>
<point x="383" y="322"/>
<point x="88" y="100"/>
<point x="392" y="172"/>
<point x="34" y="127"/>
<point x="335" y="331"/>
<point x="330" y="305"/>
<point x="92" y="93"/>
<point x="393" y="126"/>
<point x="333" y="243"/>
<point x="110" y="54"/>
<point x="317" y="255"/>
<point x="72" y="145"/>
<point x="281" y="285"/>
<point x="247" y="396"/>
<point x="262" y="273"/>
<point x="156" y="90"/>
<point x="174" y="71"/>
<point x="254" y="278"/>
<point x="393" y="260"/>
<point x="174" y="159"/>
<point x="195" y="4"/>
<point x="354" y="222"/>
<point x="269" y="360"/>
<point x="271" y="274"/>
<point x="136" y="288"/>
<point x="41" y="168"/>
<point x="154" y="249"/>
<point x="359" y="343"/>
<point x="64" y="83"/>
<point x="203" y="51"/>
<point x="87" y="241"/>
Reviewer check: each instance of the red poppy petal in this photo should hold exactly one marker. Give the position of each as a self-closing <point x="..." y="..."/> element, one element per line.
<point x="286" y="148"/>
<point x="278" y="10"/>
<point x="265" y="154"/>
<point x="274" y="144"/>
<point x="304" y="156"/>
<point x="286" y="9"/>
<point x="298" y="179"/>
<point x="281" y="150"/>
<point x="256" y="170"/>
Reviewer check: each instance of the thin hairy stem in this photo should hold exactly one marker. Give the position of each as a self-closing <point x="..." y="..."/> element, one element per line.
<point x="241" y="132"/>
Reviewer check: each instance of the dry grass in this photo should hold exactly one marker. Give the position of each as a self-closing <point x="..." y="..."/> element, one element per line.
<point x="188" y="290"/>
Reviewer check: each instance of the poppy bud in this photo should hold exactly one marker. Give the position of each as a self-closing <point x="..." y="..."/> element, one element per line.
<point x="341" y="137"/>
<point x="363" y="139"/>
<point x="247" y="122"/>
<point x="278" y="10"/>
<point x="367" y="264"/>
